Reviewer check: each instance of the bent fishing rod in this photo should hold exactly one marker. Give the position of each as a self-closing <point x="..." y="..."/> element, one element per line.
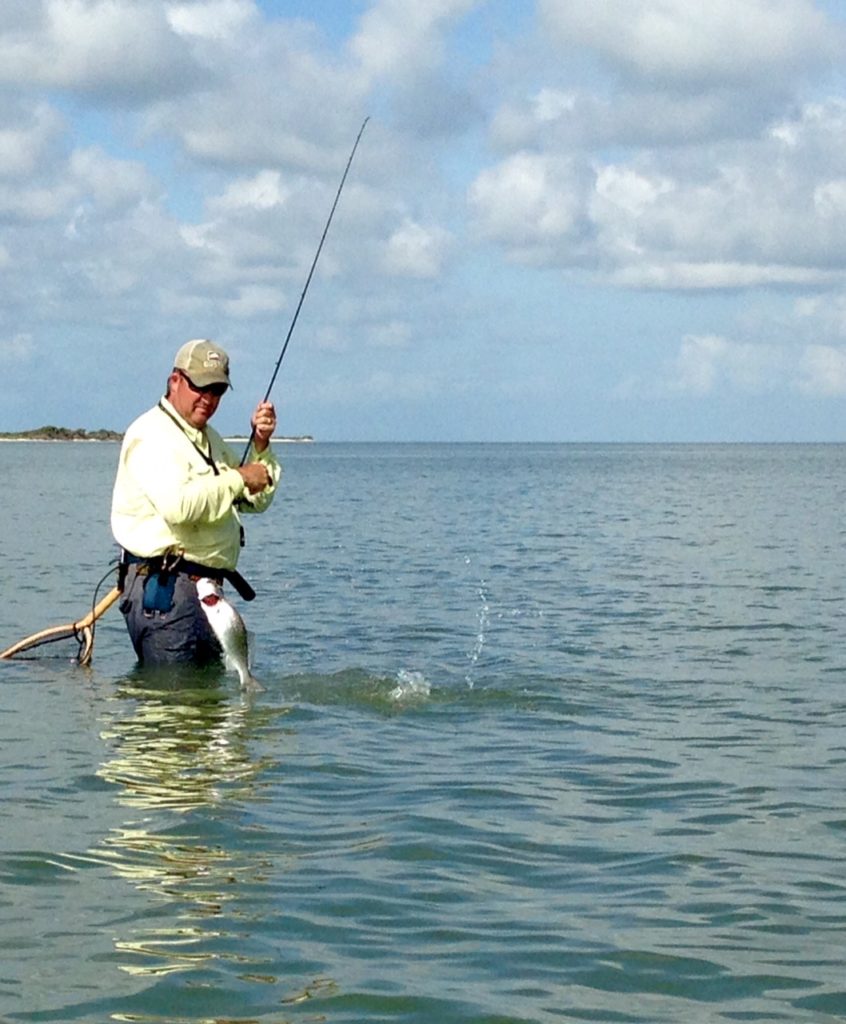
<point x="308" y="281"/>
<point x="83" y="629"/>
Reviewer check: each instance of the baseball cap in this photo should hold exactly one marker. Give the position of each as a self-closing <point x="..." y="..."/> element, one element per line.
<point x="203" y="363"/>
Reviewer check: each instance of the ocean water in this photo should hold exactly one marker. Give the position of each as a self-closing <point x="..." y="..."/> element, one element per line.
<point x="549" y="733"/>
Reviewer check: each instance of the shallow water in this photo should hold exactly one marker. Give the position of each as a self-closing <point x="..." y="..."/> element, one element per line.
<point x="550" y="733"/>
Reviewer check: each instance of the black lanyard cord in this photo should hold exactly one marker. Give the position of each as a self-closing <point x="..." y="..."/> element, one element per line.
<point x="209" y="461"/>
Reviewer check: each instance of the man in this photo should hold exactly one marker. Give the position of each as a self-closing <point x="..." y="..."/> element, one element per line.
<point x="176" y="506"/>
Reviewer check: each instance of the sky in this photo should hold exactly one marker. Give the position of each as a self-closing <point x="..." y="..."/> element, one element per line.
<point x="565" y="221"/>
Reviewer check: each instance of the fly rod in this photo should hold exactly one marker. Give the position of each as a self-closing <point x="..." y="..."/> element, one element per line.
<point x="308" y="281"/>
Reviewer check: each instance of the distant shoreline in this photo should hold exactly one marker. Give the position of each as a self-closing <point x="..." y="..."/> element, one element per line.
<point x="303" y="439"/>
<point x="51" y="433"/>
<point x="11" y="439"/>
<point x="30" y="437"/>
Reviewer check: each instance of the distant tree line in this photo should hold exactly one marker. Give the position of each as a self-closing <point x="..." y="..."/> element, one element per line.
<point x="50" y="433"/>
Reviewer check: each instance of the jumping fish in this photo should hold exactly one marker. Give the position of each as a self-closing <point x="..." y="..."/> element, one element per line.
<point x="229" y="628"/>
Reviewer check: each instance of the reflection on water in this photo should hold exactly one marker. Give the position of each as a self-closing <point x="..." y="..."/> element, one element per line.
<point x="181" y="748"/>
<point x="181" y="753"/>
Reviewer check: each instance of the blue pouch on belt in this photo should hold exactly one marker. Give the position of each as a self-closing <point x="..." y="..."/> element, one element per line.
<point x="158" y="592"/>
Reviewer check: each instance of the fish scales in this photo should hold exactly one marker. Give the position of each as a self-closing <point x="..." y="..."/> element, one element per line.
<point x="230" y="630"/>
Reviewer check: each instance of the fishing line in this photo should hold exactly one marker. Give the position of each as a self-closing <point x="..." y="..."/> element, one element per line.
<point x="82" y="630"/>
<point x="308" y="281"/>
<point x="85" y="637"/>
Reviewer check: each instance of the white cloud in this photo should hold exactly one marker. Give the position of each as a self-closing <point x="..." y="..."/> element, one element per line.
<point x="393" y="334"/>
<point x="769" y="210"/>
<point x="237" y="250"/>
<point x="823" y="371"/>
<point x="697" y="365"/>
<point x="214" y="19"/>
<point x="399" y="38"/>
<point x="107" y="182"/>
<point x="106" y="278"/>
<point x="709" y="364"/>
<point x="18" y="17"/>
<point x="261" y="192"/>
<point x="179" y="157"/>
<point x="255" y="300"/>
<point x="680" y="42"/>
<point x="415" y="251"/>
<point x="673" y="275"/>
<point x="389" y="335"/>
<point x="242" y="242"/>
<point x="115" y="48"/>
<point x="25" y="144"/>
<point x="533" y="204"/>
<point x="550" y="105"/>
<point x="821" y="314"/>
<point x="268" y="100"/>
<point x="203" y="237"/>
<point x="551" y="120"/>
<point x="35" y="203"/>
<point x="623" y="196"/>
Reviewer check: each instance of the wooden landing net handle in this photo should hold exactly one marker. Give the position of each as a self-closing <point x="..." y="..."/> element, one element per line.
<point x="82" y="627"/>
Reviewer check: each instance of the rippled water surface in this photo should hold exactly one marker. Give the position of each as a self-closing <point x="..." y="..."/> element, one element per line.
<point x="549" y="733"/>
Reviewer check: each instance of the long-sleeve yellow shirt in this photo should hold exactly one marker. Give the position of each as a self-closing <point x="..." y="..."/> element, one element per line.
<point x="169" y="498"/>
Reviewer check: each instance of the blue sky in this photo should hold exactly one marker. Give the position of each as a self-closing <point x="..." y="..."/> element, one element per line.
<point x="622" y="221"/>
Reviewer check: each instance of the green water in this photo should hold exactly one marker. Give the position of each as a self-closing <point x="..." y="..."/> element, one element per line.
<point x="549" y="733"/>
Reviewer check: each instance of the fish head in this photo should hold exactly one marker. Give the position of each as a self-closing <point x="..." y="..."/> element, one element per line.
<point x="209" y="592"/>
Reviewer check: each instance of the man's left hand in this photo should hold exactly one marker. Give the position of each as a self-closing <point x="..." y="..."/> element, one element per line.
<point x="264" y="425"/>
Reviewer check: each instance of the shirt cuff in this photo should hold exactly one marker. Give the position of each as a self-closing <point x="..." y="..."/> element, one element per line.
<point x="239" y="484"/>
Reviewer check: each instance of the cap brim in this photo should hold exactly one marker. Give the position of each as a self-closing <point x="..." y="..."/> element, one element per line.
<point x="204" y="380"/>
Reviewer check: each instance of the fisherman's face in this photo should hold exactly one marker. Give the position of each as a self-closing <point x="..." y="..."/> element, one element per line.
<point x="195" y="405"/>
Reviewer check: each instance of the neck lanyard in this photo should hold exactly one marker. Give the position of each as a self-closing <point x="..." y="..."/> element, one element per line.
<point x="209" y="461"/>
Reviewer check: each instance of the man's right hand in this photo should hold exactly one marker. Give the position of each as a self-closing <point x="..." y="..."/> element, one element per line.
<point x="256" y="477"/>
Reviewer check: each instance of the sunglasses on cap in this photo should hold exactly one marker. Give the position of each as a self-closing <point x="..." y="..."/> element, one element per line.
<point x="218" y="390"/>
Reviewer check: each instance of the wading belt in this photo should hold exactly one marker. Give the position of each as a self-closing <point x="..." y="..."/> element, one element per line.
<point x="166" y="564"/>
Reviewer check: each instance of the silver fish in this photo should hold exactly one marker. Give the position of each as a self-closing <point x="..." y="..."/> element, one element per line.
<point x="229" y="628"/>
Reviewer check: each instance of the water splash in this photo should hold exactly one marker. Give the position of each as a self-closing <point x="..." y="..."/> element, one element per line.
<point x="481" y="633"/>
<point x="410" y="686"/>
